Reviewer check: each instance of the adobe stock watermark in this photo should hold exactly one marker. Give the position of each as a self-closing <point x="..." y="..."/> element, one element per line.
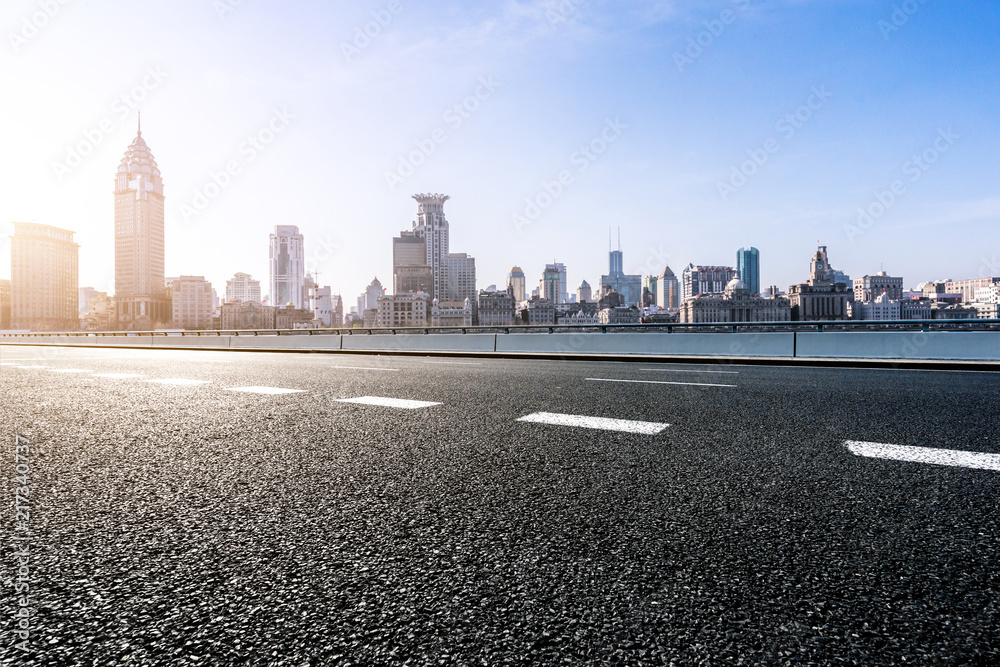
<point x="656" y="261"/>
<point x="990" y="267"/>
<point x="914" y="169"/>
<point x="581" y="159"/>
<point x="787" y="126"/>
<point x="225" y="7"/>
<point x="328" y="247"/>
<point x="121" y="108"/>
<point x="366" y="34"/>
<point x="34" y="23"/>
<point x="714" y="28"/>
<point x="21" y="623"/>
<point x="562" y="10"/>
<point x="900" y="16"/>
<point x="248" y="150"/>
<point x="454" y="118"/>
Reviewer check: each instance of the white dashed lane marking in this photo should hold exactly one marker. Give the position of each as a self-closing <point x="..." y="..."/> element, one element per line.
<point x="455" y="363"/>
<point x="118" y="376"/>
<point x="178" y="381"/>
<point x="601" y="423"/>
<point x="941" y="457"/>
<point x="389" y="402"/>
<point x="265" y="390"/>
<point x="69" y="370"/>
<point x="685" y="370"/>
<point x="365" y="368"/>
<point x="689" y="384"/>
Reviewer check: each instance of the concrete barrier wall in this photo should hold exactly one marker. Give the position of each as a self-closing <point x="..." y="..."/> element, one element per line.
<point x="712" y="345"/>
<point x="932" y="345"/>
<point x="190" y="341"/>
<point x="321" y="342"/>
<point x="888" y="345"/>
<point x="419" y="342"/>
<point x="103" y="341"/>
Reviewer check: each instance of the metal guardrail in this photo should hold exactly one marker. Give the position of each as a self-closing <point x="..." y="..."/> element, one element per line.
<point x="734" y="327"/>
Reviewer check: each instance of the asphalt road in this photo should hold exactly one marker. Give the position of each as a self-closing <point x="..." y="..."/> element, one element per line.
<point x="729" y="523"/>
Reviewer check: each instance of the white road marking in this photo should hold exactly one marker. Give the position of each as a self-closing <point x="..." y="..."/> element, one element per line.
<point x="941" y="457"/>
<point x="684" y="370"/>
<point x="388" y="402"/>
<point x="690" y="384"/>
<point x="34" y="367"/>
<point x="69" y="370"/>
<point x="178" y="381"/>
<point x="365" y="368"/>
<point x="118" y="376"/>
<point x="455" y="363"/>
<point x="265" y="390"/>
<point x="601" y="423"/>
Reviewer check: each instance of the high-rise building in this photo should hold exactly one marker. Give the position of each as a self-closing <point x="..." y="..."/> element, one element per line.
<point x="410" y="271"/>
<point x="242" y="287"/>
<point x="667" y="290"/>
<point x="649" y="286"/>
<point x="85" y="295"/>
<point x="705" y="280"/>
<point x="551" y="287"/>
<point x="583" y="293"/>
<point x="369" y="298"/>
<point x="422" y="261"/>
<point x="629" y="286"/>
<point x="288" y="266"/>
<point x="4" y="304"/>
<point x="141" y="299"/>
<point x="461" y="279"/>
<point x="325" y="305"/>
<point x="517" y="283"/>
<point x="869" y="288"/>
<point x="563" y="285"/>
<point x="748" y="268"/>
<point x="824" y="296"/>
<point x="44" y="278"/>
<point x="191" y="302"/>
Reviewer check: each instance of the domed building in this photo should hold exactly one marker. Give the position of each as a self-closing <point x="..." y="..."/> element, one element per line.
<point x="141" y="299"/>
<point x="734" y="304"/>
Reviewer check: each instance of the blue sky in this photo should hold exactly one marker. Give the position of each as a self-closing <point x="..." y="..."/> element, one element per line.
<point x="673" y="130"/>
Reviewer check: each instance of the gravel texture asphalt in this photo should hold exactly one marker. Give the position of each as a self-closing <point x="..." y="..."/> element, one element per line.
<point x="195" y="525"/>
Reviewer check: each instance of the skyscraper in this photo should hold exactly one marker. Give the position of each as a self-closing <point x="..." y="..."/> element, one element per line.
<point x="44" y="278"/>
<point x="748" y="268"/>
<point x="629" y="286"/>
<point x="516" y="282"/>
<point x="584" y="293"/>
<point x="288" y="267"/>
<point x="421" y="258"/>
<point x="553" y="285"/>
<point x="667" y="290"/>
<point x="141" y="300"/>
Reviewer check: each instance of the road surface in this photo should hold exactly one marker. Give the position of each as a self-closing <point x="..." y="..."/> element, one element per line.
<point x="304" y="509"/>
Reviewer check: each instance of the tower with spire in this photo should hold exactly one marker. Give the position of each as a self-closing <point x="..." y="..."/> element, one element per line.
<point x="141" y="300"/>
